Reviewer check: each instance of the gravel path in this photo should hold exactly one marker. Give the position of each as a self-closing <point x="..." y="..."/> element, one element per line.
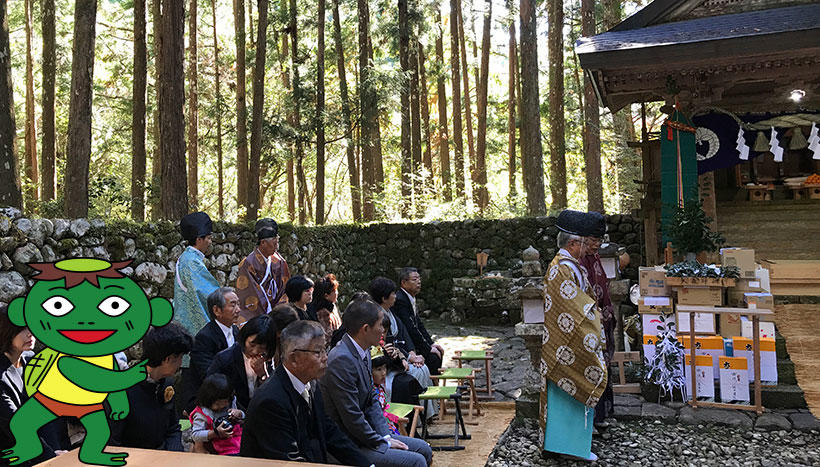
<point x="645" y="443"/>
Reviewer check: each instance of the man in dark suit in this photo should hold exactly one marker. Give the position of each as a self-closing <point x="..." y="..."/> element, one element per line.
<point x="347" y="388"/>
<point x="152" y="422"/>
<point x="219" y="334"/>
<point x="286" y="418"/>
<point x="246" y="363"/>
<point x="406" y="310"/>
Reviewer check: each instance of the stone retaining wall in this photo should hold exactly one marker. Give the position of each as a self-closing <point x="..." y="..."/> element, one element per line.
<point x="355" y="253"/>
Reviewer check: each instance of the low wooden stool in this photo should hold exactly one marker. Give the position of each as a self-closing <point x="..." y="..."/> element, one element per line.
<point x="442" y="393"/>
<point x="759" y="192"/>
<point x="403" y="412"/>
<point x="623" y="387"/>
<point x="487" y="356"/>
<point x="460" y="375"/>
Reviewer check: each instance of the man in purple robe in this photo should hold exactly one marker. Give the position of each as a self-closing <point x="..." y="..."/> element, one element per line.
<point x="260" y="283"/>
<point x="591" y="261"/>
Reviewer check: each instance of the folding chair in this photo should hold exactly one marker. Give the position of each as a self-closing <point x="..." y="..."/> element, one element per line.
<point x="487" y="356"/>
<point x="403" y="412"/>
<point x="461" y="375"/>
<point x="443" y="393"/>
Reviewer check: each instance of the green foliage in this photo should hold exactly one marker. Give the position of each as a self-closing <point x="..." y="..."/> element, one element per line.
<point x="689" y="230"/>
<point x="110" y="169"/>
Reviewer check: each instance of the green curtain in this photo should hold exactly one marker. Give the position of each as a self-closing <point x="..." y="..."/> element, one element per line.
<point x="674" y="139"/>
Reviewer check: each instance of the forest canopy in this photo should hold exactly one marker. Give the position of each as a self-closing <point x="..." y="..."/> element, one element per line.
<point x="322" y="111"/>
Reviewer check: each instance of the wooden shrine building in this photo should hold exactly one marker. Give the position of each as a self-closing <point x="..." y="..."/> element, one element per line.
<point x="744" y="75"/>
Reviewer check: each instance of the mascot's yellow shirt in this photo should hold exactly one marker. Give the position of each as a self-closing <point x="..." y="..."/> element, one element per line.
<point x="61" y="389"/>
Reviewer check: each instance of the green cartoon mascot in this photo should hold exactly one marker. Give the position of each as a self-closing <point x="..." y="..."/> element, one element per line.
<point x="84" y="311"/>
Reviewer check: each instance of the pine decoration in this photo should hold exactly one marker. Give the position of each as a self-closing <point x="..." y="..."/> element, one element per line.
<point x="666" y="367"/>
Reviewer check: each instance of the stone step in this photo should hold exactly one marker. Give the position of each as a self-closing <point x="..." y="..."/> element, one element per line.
<point x="785" y="372"/>
<point x="781" y="205"/>
<point x="780" y="347"/>
<point x="768" y="228"/>
<point x="781" y="396"/>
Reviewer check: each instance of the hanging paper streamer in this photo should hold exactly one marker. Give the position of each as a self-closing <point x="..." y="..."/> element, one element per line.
<point x="774" y="147"/>
<point x="814" y="141"/>
<point x="742" y="147"/>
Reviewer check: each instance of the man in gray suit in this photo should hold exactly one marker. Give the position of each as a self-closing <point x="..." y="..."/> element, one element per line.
<point x="347" y="390"/>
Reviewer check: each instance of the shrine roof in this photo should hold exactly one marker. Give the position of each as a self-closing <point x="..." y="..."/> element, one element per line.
<point x="600" y="50"/>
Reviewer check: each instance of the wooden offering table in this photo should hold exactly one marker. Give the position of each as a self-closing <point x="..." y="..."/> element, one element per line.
<point x="755" y="314"/>
<point x="153" y="458"/>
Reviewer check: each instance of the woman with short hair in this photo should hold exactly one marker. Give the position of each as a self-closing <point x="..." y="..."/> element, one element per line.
<point x="16" y="346"/>
<point x="299" y="290"/>
<point x="323" y="306"/>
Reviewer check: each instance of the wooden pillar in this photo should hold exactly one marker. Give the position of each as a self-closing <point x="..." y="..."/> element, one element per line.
<point x="706" y="183"/>
<point x="650" y="206"/>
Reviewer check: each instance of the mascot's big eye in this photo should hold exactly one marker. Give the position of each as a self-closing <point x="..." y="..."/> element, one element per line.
<point x="58" y="306"/>
<point x="114" y="306"/>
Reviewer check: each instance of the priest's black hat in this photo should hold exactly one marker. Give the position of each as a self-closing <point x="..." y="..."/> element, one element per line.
<point x="195" y="225"/>
<point x="594" y="225"/>
<point x="572" y="222"/>
<point x="266" y="228"/>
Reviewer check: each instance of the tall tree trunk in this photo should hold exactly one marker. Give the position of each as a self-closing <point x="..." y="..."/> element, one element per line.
<point x="369" y="113"/>
<point x="258" y="110"/>
<point x="49" y="79"/>
<point x="138" y="114"/>
<point x="32" y="169"/>
<point x="530" y="116"/>
<point x="481" y="103"/>
<point x="78" y="151"/>
<point x="156" y="160"/>
<point x="512" y="53"/>
<point x="219" y="161"/>
<point x="592" y="128"/>
<point x="171" y="103"/>
<point x="555" y="46"/>
<point x="424" y="103"/>
<point x="415" y="123"/>
<point x="404" y="93"/>
<point x="297" y="97"/>
<point x="518" y="93"/>
<point x="378" y="162"/>
<point x="250" y="26"/>
<point x="441" y="97"/>
<point x="627" y="160"/>
<point x="241" y="106"/>
<point x="285" y="73"/>
<point x="193" y="104"/>
<point x="9" y="177"/>
<point x="320" y="117"/>
<point x="352" y="166"/>
<point x="291" y="183"/>
<point x="455" y="81"/>
<point x="468" y="111"/>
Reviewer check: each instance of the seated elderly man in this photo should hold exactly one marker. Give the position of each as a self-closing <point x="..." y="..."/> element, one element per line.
<point x="219" y="334"/>
<point x="286" y="418"/>
<point x="430" y="353"/>
<point x="351" y="402"/>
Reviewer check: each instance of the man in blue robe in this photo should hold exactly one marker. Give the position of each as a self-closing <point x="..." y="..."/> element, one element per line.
<point x="193" y="282"/>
